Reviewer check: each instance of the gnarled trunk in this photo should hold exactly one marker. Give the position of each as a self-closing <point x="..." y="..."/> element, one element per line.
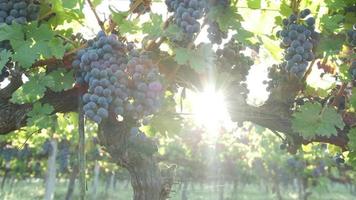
<point x="146" y="178"/>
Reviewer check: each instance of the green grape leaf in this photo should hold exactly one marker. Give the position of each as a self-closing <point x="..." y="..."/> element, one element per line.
<point x="254" y="4"/>
<point x="70" y="4"/>
<point x="312" y="120"/>
<point x="198" y="59"/>
<point x="331" y="23"/>
<point x="57" y="48"/>
<point x="97" y="2"/>
<point x="244" y="36"/>
<point x="335" y="4"/>
<point x="272" y="46"/>
<point x="153" y="27"/>
<point x="33" y="89"/>
<point x="64" y="80"/>
<point x="25" y="53"/>
<point x="285" y="9"/>
<point x="203" y="57"/>
<point x="182" y="56"/>
<point x="11" y="32"/>
<point x="227" y="18"/>
<point x="4" y="58"/>
<point x="63" y="12"/>
<point x="174" y="32"/>
<point x="39" y="114"/>
<point x="39" y="41"/>
<point x="311" y="91"/>
<point x="328" y="45"/>
<point x="125" y="25"/>
<point x="344" y="72"/>
<point x="352" y="139"/>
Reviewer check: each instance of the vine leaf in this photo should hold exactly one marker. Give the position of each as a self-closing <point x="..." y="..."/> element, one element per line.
<point x="344" y="72"/>
<point x="285" y="9"/>
<point x="33" y="89"/>
<point x="182" y="56"/>
<point x="331" y="46"/>
<point x="254" y="4"/>
<point x="38" y="116"/>
<point x="125" y="26"/>
<point x="227" y="18"/>
<point x="272" y="46"/>
<point x="174" y="32"/>
<point x="40" y="41"/>
<point x="311" y="121"/>
<point x="330" y="23"/>
<point x="4" y="58"/>
<point x="198" y="59"/>
<point x="64" y="80"/>
<point x="153" y="27"/>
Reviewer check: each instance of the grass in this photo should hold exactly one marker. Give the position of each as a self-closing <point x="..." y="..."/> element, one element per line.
<point x="34" y="190"/>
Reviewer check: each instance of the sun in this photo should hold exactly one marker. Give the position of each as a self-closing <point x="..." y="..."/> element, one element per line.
<point x="209" y="110"/>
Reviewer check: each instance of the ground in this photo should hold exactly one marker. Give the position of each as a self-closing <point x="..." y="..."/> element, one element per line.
<point x="34" y="190"/>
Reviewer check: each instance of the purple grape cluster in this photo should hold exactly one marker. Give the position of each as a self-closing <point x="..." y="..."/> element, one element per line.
<point x="63" y="155"/>
<point x="298" y="39"/>
<point x="121" y="81"/>
<point x="215" y="34"/>
<point x="19" y="11"/>
<point x="186" y="14"/>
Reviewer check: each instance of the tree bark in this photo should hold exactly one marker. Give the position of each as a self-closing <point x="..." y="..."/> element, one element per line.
<point x="146" y="178"/>
<point x="51" y="172"/>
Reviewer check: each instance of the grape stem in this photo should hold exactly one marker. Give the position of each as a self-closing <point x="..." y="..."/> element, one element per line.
<point x="101" y="24"/>
<point x="47" y="15"/>
<point x="308" y="71"/>
<point x="339" y="94"/>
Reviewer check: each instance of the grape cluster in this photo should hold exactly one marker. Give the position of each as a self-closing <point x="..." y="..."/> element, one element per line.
<point x="24" y="153"/>
<point x="8" y="153"/>
<point x="215" y="34"/>
<point x="121" y="81"/>
<point x="298" y="39"/>
<point x="351" y="36"/>
<point x="339" y="159"/>
<point x="186" y="14"/>
<point x="63" y="155"/>
<point x="47" y="148"/>
<point x="19" y="11"/>
<point x="230" y="59"/>
<point x="140" y="142"/>
<point x="142" y="8"/>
